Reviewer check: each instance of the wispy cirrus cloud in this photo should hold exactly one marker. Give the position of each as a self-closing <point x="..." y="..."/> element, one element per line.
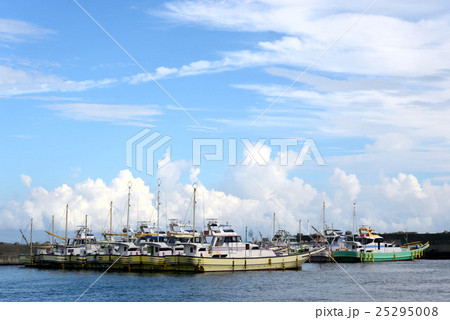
<point x="19" y="81"/>
<point x="397" y="39"/>
<point x="17" y="31"/>
<point x="135" y="115"/>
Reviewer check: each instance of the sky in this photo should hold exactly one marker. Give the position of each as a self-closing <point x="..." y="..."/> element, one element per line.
<point x="267" y="106"/>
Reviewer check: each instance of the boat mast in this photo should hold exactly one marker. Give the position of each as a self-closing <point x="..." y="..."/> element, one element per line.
<point x="273" y="225"/>
<point x="67" y="214"/>
<point x="193" y="229"/>
<point x="53" y="229"/>
<point x="128" y="211"/>
<point x="110" y="221"/>
<point x="323" y="217"/>
<point x="85" y="236"/>
<point x="158" y="204"/>
<point x="300" y="230"/>
<point x="31" y="237"/>
<point x="354" y="219"/>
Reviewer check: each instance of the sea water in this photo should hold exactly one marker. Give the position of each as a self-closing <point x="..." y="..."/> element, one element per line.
<point x="419" y="280"/>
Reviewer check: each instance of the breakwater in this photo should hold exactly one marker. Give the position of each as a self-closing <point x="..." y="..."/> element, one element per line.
<point x="9" y="252"/>
<point x="439" y="242"/>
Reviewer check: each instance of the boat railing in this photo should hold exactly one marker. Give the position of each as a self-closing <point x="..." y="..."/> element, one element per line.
<point x="411" y="244"/>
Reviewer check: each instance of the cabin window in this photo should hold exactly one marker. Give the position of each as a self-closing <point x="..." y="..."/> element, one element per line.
<point x="255" y="248"/>
<point x="191" y="249"/>
<point x="220" y="241"/>
<point x="202" y="249"/>
<point x="208" y="239"/>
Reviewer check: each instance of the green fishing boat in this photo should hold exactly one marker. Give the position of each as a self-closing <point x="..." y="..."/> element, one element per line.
<point x="370" y="247"/>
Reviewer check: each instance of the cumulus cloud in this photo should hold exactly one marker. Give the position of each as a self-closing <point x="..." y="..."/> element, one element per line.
<point x="348" y="186"/>
<point x="90" y="197"/>
<point x="26" y="180"/>
<point x="248" y="197"/>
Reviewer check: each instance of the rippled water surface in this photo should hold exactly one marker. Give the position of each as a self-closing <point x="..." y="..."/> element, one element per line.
<point x="419" y="280"/>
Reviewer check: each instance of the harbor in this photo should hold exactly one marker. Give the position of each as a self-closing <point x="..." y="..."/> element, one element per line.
<point x="317" y="282"/>
<point x="218" y="248"/>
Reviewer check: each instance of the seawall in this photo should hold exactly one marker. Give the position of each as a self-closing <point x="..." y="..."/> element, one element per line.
<point x="9" y="252"/>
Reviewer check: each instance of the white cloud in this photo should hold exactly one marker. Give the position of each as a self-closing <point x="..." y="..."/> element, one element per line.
<point x="15" y="81"/>
<point x="348" y="186"/>
<point x="248" y="196"/>
<point x="138" y="115"/>
<point x="90" y="197"/>
<point x="17" y="31"/>
<point x="406" y="186"/>
<point x="384" y="42"/>
<point x="26" y="180"/>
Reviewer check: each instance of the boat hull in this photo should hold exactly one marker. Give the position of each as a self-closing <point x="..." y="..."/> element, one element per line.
<point x="168" y="263"/>
<point x="208" y="264"/>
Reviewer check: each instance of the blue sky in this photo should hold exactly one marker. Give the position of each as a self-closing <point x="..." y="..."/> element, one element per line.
<point x="374" y="99"/>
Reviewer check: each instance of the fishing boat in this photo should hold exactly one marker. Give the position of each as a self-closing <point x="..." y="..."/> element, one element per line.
<point x="225" y="251"/>
<point x="222" y="249"/>
<point x="371" y="247"/>
<point x="333" y="240"/>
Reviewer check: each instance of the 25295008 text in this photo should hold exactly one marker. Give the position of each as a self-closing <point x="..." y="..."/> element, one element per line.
<point x="407" y="311"/>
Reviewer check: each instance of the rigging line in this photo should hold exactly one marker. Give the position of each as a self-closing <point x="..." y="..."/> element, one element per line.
<point x="137" y="63"/>
<point x="187" y="211"/>
<point x="184" y="192"/>
<point x="343" y="269"/>
<point x="92" y="284"/>
<point x="314" y="62"/>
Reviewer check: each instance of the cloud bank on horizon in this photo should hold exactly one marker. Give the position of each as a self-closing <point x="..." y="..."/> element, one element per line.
<point x="398" y="204"/>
